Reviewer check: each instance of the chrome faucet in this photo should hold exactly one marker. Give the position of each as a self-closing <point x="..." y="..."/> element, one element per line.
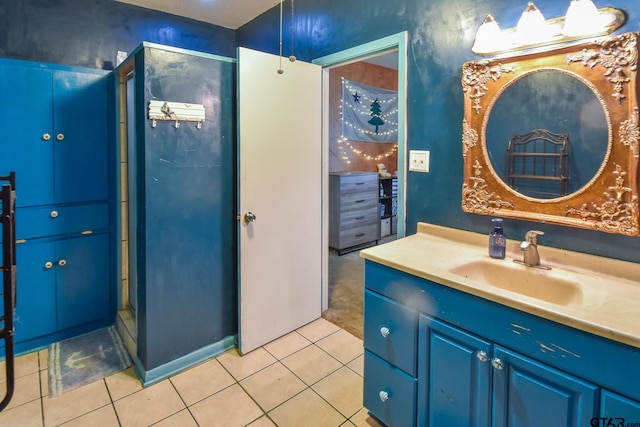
<point x="529" y="247"/>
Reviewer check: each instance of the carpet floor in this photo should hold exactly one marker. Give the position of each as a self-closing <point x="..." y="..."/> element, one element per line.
<point x="346" y="290"/>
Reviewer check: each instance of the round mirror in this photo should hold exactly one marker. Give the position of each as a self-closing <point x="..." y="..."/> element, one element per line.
<point x="547" y="134"/>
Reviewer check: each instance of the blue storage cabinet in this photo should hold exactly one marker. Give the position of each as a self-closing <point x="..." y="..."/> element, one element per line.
<point x="479" y="363"/>
<point x="55" y="129"/>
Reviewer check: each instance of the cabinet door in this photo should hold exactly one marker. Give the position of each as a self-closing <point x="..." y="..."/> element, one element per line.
<point x="82" y="280"/>
<point x="528" y="393"/>
<point x="618" y="409"/>
<point x="80" y="136"/>
<point x="454" y="377"/>
<point x="26" y="123"/>
<point x="35" y="313"/>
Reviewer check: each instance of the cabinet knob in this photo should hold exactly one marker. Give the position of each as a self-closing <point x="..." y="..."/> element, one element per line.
<point x="62" y="262"/>
<point x="46" y="137"/>
<point x="384" y="396"/>
<point x="385" y="332"/>
<point x="497" y="363"/>
<point x="48" y="265"/>
<point x="53" y="214"/>
<point x="60" y="136"/>
<point x="482" y="356"/>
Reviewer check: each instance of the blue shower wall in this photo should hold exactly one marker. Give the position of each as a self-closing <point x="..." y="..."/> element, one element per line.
<point x="440" y="35"/>
<point x="89" y="33"/>
<point x="186" y="208"/>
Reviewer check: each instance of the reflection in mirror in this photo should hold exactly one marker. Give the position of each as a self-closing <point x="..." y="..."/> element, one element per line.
<point x="556" y="102"/>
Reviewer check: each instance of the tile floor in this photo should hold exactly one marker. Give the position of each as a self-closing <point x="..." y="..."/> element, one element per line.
<point x="310" y="377"/>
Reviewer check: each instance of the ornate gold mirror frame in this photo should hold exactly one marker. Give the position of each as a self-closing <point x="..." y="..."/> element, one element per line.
<point x="609" y="201"/>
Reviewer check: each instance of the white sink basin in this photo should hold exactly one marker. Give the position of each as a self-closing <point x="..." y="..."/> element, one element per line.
<point x="557" y="286"/>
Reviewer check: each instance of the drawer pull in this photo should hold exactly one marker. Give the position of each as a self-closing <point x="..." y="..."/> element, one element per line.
<point x="482" y="356"/>
<point x="359" y="183"/>
<point x="62" y="262"/>
<point x="384" y="396"/>
<point x="48" y="265"/>
<point x="385" y="332"/>
<point x="359" y="234"/>
<point x="359" y="218"/>
<point x="53" y="214"/>
<point x="498" y="364"/>
<point x="361" y="201"/>
<point x="60" y="136"/>
<point x="46" y="137"/>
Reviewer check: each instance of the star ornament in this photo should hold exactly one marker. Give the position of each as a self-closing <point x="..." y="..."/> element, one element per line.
<point x="356" y="98"/>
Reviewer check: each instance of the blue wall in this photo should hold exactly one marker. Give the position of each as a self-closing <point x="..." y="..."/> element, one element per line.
<point x="89" y="33"/>
<point x="186" y="202"/>
<point x="440" y="37"/>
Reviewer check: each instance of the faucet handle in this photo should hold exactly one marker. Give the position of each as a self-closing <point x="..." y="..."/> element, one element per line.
<point x="532" y="236"/>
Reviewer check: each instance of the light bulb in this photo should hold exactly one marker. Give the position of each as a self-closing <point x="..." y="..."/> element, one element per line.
<point x="532" y="27"/>
<point x="489" y="37"/>
<point x="582" y="18"/>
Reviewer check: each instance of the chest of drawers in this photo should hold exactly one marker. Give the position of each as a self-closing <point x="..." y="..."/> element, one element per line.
<point x="354" y="219"/>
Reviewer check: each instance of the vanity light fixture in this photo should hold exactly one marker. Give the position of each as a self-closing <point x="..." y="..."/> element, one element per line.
<point x="582" y="21"/>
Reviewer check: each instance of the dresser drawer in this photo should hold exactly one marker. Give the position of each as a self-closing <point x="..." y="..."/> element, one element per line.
<point x="359" y="182"/>
<point x="391" y="331"/>
<point x="358" y="201"/>
<point x="52" y="220"/>
<point x="389" y="393"/>
<point x="359" y="218"/>
<point x="358" y="235"/>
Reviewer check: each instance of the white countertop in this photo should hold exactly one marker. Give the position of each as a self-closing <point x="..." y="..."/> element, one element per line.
<point x="609" y="303"/>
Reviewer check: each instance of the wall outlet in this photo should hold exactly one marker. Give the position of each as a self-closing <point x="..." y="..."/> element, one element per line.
<point x="419" y="161"/>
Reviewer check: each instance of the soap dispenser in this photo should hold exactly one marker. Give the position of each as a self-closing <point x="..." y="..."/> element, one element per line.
<point x="497" y="241"/>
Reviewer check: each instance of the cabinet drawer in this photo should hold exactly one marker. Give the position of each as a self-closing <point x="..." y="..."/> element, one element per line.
<point x="357" y="235"/>
<point x="359" y="182"/>
<point x="52" y="220"/>
<point x="391" y="331"/>
<point x="359" y="218"/>
<point x="389" y="393"/>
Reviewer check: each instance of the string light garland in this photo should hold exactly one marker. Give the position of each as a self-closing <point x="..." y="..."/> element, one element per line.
<point x="349" y="147"/>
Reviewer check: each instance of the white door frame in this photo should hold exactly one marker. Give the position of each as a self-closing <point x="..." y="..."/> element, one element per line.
<point x="397" y="41"/>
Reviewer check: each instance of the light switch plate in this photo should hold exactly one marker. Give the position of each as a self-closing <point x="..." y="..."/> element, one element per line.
<point x="419" y="161"/>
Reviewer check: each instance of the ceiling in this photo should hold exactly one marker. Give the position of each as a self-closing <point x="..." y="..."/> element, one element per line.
<point x="224" y="13"/>
<point x="232" y="14"/>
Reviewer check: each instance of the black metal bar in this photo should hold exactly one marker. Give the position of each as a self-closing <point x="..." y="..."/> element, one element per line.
<point x="8" y="196"/>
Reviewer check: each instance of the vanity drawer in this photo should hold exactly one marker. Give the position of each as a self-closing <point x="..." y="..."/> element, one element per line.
<point x="358" y="182"/>
<point x="53" y="220"/>
<point x="391" y="331"/>
<point x="389" y="393"/>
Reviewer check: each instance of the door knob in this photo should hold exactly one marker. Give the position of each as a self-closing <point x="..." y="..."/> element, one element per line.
<point x="249" y="217"/>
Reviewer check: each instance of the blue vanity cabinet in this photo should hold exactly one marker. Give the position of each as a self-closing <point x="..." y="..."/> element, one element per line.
<point x="529" y="393"/>
<point x="390" y="360"/>
<point x="618" y="409"/>
<point x="480" y="363"/>
<point x="455" y="376"/>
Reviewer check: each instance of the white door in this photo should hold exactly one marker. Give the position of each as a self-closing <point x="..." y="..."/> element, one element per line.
<point x="280" y="183"/>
